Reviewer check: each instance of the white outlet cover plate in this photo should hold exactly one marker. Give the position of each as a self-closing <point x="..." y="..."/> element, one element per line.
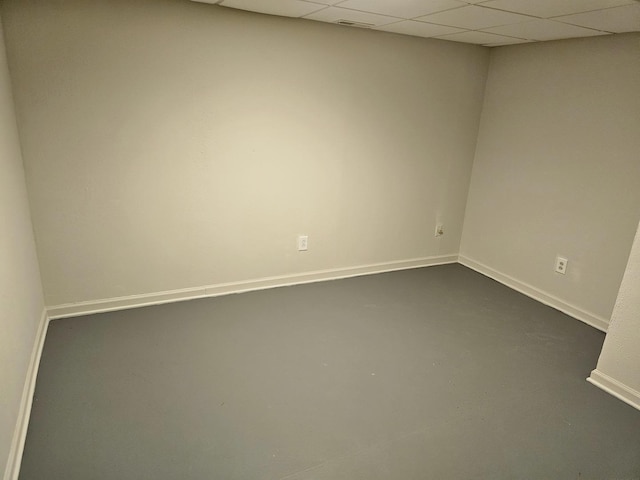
<point x="561" y="265"/>
<point x="303" y="243"/>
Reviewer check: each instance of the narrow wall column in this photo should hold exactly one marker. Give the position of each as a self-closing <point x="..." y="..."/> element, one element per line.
<point x="618" y="370"/>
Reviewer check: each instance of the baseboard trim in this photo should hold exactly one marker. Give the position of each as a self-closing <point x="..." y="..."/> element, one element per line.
<point x="615" y="388"/>
<point x="601" y="380"/>
<point x="530" y="291"/>
<point x="158" y="298"/>
<point x="20" y="433"/>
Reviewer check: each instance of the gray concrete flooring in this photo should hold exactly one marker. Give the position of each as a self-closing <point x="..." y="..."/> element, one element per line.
<point x="434" y="373"/>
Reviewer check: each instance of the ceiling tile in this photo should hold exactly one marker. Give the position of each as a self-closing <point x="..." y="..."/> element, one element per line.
<point x="511" y="41"/>
<point x="543" y="30"/>
<point x="402" y="8"/>
<point x="553" y="8"/>
<point x="474" y="17"/>
<point x="333" y="14"/>
<point x="480" y="38"/>
<point x="285" y="8"/>
<point x="618" y="20"/>
<point x="420" y="29"/>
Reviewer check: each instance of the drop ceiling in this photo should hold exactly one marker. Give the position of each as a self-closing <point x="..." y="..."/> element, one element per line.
<point x="483" y="22"/>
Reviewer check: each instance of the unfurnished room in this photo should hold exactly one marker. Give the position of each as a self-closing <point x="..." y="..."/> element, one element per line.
<point x="319" y="239"/>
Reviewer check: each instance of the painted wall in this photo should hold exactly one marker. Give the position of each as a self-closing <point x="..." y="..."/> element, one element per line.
<point x="21" y="301"/>
<point x="173" y="144"/>
<point x="620" y="357"/>
<point x="556" y="168"/>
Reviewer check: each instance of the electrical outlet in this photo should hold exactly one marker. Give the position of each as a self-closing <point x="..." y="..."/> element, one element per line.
<point x="303" y="243"/>
<point x="561" y="265"/>
<point x="439" y="230"/>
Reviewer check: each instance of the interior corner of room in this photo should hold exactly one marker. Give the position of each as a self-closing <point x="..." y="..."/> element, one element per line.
<point x="166" y="150"/>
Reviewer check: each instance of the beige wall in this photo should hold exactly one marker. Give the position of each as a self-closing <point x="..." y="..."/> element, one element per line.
<point x="618" y="367"/>
<point x="21" y="303"/>
<point x="556" y="168"/>
<point x="171" y="144"/>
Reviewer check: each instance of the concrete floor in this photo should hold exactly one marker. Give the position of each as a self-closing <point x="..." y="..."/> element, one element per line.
<point x="434" y="373"/>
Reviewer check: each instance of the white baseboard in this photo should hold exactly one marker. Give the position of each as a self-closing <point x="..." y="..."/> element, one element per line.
<point x="615" y="388"/>
<point x="134" y="301"/>
<point x="20" y="433"/>
<point x="530" y="291"/>
<point x="612" y="386"/>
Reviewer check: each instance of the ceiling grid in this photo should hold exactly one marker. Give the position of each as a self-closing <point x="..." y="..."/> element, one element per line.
<point x="483" y="22"/>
